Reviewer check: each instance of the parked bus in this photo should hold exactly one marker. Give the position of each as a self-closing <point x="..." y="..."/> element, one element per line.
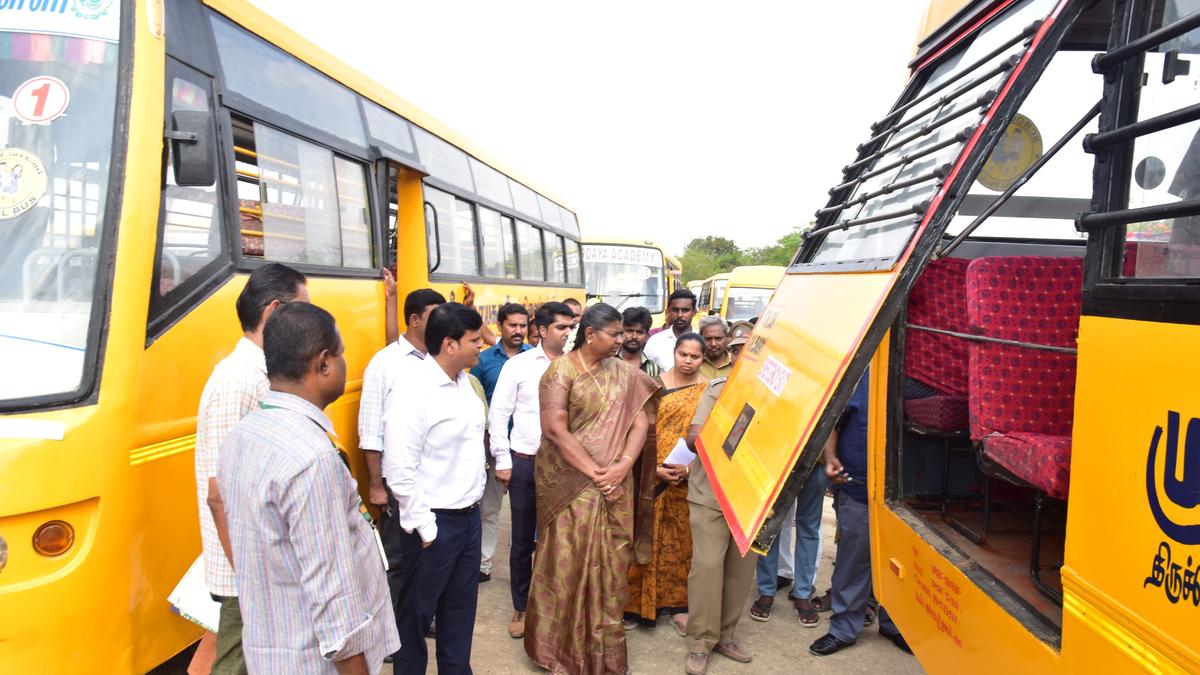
<point x="123" y="255"/>
<point x="712" y="293"/>
<point x="630" y="273"/>
<point x="1011" y="264"/>
<point x="747" y="291"/>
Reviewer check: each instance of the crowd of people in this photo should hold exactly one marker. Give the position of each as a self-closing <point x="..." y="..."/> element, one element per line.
<point x="572" y="412"/>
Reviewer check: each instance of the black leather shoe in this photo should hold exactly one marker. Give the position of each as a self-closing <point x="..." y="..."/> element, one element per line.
<point x="827" y="644"/>
<point x="484" y="577"/>
<point x="782" y="583"/>
<point x="898" y="640"/>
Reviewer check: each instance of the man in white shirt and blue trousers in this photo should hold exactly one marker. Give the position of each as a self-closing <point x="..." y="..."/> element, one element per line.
<point x="433" y="462"/>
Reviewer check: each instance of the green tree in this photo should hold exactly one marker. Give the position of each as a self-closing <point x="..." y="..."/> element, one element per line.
<point x="706" y="256"/>
<point x="779" y="253"/>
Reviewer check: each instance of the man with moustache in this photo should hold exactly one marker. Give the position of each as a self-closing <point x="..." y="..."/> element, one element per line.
<point x="717" y="362"/>
<point x="681" y="309"/>
<point x="635" y="324"/>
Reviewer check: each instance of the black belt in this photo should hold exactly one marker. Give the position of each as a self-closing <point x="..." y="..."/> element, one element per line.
<point x="522" y="455"/>
<point x="456" y="512"/>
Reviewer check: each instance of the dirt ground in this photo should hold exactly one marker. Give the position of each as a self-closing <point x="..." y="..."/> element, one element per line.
<point x="779" y="645"/>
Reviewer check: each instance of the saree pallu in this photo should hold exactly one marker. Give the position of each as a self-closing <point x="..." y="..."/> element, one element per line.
<point x="661" y="585"/>
<point x="585" y="543"/>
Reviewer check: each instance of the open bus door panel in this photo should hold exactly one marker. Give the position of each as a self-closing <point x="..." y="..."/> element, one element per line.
<point x="849" y="280"/>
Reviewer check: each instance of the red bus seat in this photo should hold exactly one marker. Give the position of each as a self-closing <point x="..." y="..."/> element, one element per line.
<point x="1022" y="399"/>
<point x="938" y="300"/>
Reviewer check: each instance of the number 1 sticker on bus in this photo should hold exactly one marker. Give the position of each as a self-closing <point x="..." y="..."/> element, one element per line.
<point x="40" y="100"/>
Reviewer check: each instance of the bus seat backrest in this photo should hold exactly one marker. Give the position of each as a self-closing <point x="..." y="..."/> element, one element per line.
<point x="1028" y="299"/>
<point x="939" y="300"/>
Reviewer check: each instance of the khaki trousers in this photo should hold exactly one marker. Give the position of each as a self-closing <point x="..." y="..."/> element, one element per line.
<point x="718" y="582"/>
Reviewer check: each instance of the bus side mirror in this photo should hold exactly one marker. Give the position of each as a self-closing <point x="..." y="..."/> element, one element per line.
<point x="193" y="154"/>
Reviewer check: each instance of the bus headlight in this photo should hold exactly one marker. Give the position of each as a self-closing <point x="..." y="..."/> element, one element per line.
<point x="53" y="538"/>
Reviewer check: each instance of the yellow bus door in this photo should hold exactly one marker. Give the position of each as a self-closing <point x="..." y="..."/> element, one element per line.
<point x="832" y="309"/>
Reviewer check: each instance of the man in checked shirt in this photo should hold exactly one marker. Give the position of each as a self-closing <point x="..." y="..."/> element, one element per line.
<point x="232" y="391"/>
<point x="310" y="578"/>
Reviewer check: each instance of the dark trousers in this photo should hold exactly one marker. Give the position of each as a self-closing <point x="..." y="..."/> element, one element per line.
<point x="441" y="580"/>
<point x="393" y="547"/>
<point x="522" y="499"/>
<point x="851" y="585"/>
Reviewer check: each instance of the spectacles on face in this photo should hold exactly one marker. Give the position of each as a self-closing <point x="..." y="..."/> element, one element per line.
<point x="614" y="335"/>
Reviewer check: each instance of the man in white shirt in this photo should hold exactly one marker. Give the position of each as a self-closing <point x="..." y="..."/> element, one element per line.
<point x="234" y="389"/>
<point x="432" y="458"/>
<point x="681" y="308"/>
<point x="513" y="449"/>
<point x="389" y="367"/>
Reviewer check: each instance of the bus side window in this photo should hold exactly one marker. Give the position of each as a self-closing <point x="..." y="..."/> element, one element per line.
<point x="456" y="233"/>
<point x="298" y="202"/>
<point x="191" y="241"/>
<point x="1166" y="165"/>
<point x="574" y="262"/>
<point x="499" y="251"/>
<point x="529" y="243"/>
<point x="555" y="263"/>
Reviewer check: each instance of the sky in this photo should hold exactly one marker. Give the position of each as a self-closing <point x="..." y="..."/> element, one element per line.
<point x="659" y="119"/>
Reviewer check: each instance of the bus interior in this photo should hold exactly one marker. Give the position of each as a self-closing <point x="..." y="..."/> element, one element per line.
<point x="983" y="354"/>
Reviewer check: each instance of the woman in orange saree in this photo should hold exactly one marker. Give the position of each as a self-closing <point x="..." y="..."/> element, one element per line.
<point x="594" y="501"/>
<point x="661" y="586"/>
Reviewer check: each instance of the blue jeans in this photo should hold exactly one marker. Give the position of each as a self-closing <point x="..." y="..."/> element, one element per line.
<point x="808" y="541"/>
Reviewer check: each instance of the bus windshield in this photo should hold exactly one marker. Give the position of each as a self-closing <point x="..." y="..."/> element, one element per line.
<point x="746" y="303"/>
<point x="625" y="276"/>
<point x="57" y="104"/>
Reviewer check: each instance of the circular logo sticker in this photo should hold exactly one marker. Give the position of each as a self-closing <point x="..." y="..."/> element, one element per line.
<point x="90" y="9"/>
<point x="40" y="100"/>
<point x="22" y="182"/>
<point x="1017" y="150"/>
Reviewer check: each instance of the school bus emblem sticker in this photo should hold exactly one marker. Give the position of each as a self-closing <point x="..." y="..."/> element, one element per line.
<point x="1017" y="150"/>
<point x="22" y="182"/>
<point x="1175" y="509"/>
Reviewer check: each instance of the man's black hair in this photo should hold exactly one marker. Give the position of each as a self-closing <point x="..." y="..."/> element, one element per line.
<point x="450" y="320"/>
<point x="682" y="294"/>
<point x="418" y="300"/>
<point x="508" y="309"/>
<point x="267" y="284"/>
<point x="544" y="316"/>
<point x="637" y="316"/>
<point x="573" y="301"/>
<point x="294" y="335"/>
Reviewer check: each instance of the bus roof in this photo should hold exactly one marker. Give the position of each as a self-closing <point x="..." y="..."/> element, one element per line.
<point x="761" y="276"/>
<point x="266" y="26"/>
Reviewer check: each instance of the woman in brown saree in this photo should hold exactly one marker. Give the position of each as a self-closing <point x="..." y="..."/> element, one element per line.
<point x="661" y="586"/>
<point x="594" y="501"/>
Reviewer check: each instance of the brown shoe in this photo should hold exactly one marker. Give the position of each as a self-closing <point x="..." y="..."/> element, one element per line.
<point x="696" y="663"/>
<point x="734" y="651"/>
<point x="516" y="627"/>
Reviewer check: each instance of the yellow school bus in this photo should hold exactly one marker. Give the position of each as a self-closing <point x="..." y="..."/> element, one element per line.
<point x="712" y="293"/>
<point x="1011" y="264"/>
<point x="747" y="290"/>
<point x="630" y="273"/>
<point x="123" y="254"/>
